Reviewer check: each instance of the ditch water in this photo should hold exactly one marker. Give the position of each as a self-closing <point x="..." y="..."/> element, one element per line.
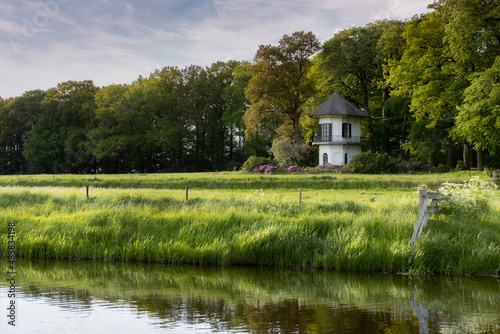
<point x="101" y="297"/>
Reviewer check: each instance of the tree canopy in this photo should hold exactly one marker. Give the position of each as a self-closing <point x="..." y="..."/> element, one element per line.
<point x="280" y="85"/>
<point x="430" y="84"/>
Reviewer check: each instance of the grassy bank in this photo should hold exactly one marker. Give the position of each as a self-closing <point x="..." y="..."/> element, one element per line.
<point x="346" y="229"/>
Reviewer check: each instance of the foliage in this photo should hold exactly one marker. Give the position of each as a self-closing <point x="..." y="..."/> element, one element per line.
<point x="280" y="85"/>
<point x="440" y="168"/>
<point x="424" y="75"/>
<point x="430" y="84"/>
<point x="478" y="120"/>
<point x="351" y="63"/>
<point x="472" y="32"/>
<point x="175" y="120"/>
<point x="16" y="118"/>
<point x="473" y="197"/>
<point x="411" y="166"/>
<point x="373" y="163"/>
<point x="286" y="152"/>
<point x="254" y="163"/>
<point x="350" y="60"/>
<point x="266" y="169"/>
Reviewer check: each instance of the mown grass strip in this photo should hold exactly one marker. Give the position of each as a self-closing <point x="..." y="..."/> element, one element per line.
<point x="236" y="181"/>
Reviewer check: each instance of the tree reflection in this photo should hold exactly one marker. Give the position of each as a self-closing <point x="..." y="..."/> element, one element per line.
<point x="267" y="300"/>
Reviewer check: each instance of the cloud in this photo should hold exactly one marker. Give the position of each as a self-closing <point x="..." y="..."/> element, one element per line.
<point x="114" y="41"/>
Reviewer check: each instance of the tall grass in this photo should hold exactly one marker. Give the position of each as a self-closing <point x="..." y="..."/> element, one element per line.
<point x="350" y="230"/>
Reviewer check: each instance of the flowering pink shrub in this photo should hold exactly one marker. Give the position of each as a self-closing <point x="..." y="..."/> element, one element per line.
<point x="270" y="168"/>
<point x="326" y="166"/>
<point x="266" y="169"/>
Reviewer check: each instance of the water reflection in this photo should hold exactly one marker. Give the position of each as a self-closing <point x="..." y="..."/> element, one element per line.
<point x="156" y="298"/>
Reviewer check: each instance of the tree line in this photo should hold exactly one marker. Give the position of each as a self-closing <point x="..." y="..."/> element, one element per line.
<point x="186" y="119"/>
<point x="431" y="84"/>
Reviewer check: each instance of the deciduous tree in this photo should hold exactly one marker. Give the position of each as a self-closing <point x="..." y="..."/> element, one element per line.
<point x="280" y="85"/>
<point x="16" y="118"/>
<point x="472" y="32"/>
<point x="478" y="120"/>
<point x="352" y="65"/>
<point x="425" y="76"/>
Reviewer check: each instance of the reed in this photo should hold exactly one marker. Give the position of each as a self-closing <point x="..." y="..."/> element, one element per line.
<point x="359" y="230"/>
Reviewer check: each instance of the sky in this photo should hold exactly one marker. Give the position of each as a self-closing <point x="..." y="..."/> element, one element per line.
<point x="45" y="42"/>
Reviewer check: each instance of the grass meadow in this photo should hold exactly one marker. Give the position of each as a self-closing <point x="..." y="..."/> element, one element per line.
<point x="345" y="222"/>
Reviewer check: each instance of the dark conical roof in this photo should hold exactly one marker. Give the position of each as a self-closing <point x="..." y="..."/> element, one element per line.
<point x="337" y="105"/>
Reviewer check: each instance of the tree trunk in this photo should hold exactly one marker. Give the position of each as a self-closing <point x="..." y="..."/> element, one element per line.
<point x="222" y="146"/>
<point x="466" y="156"/>
<point x="296" y="130"/>
<point x="231" y="144"/>
<point x="385" y="132"/>
<point x="403" y="137"/>
<point x="371" y="142"/>
<point x="480" y="160"/>
<point x="450" y="153"/>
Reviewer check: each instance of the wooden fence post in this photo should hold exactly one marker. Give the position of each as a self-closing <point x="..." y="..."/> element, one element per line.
<point x="423" y="212"/>
<point x="423" y="215"/>
<point x="495" y="177"/>
<point x="187" y="192"/>
<point x="300" y="196"/>
<point x="422" y="193"/>
<point x="87" y="186"/>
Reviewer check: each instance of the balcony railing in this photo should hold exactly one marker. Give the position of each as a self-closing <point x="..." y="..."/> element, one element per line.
<point x="337" y="140"/>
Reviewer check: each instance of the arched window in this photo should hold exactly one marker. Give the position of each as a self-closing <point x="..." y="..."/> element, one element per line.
<point x="325" y="159"/>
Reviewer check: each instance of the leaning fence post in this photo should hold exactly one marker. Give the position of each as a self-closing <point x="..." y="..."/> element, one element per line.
<point x="423" y="215"/>
<point x="421" y="201"/>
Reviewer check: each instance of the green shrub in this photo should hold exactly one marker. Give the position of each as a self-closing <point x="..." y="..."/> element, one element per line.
<point x="440" y="169"/>
<point x="286" y="152"/>
<point x="373" y="163"/>
<point x="254" y="162"/>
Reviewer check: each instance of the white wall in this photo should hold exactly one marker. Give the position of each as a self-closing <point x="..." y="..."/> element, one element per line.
<point x="337" y="121"/>
<point x="351" y="151"/>
<point x="356" y="126"/>
<point x="336" y="153"/>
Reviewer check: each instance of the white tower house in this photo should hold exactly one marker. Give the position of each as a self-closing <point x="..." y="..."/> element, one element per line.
<point x="339" y="133"/>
